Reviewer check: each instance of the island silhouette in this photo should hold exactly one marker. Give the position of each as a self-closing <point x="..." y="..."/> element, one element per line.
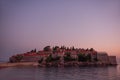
<point x="65" y="56"/>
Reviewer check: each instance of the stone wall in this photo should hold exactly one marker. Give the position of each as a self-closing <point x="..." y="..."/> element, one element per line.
<point x="103" y="57"/>
<point x="30" y="58"/>
<point x="112" y="60"/>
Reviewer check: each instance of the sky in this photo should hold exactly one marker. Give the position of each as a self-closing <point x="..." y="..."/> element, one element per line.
<point x="30" y="24"/>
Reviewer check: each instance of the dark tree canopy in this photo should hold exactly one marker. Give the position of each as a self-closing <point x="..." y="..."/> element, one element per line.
<point x="33" y="50"/>
<point x="83" y="58"/>
<point x="68" y="57"/>
<point x="91" y="49"/>
<point x="56" y="48"/>
<point x="47" y="48"/>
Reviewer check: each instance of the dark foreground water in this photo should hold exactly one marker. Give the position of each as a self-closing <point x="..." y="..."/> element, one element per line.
<point x="68" y="73"/>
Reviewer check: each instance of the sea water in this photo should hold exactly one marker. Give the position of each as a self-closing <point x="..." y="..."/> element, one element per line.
<point x="61" y="73"/>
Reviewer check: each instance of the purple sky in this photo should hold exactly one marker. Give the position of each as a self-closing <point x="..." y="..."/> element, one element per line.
<point x="29" y="24"/>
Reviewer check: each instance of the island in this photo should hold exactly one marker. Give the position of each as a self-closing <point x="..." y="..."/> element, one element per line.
<point x="62" y="57"/>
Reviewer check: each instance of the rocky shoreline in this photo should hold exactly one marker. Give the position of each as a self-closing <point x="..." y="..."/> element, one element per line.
<point x="55" y="64"/>
<point x="75" y="64"/>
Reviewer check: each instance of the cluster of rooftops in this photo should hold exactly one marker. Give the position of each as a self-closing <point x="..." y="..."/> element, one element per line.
<point x="60" y="50"/>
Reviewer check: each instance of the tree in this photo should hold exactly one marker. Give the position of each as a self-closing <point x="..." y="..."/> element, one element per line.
<point x="51" y="59"/>
<point x="68" y="48"/>
<point x="73" y="48"/>
<point x="47" y="48"/>
<point x="31" y="51"/>
<point x="34" y="50"/>
<point x="91" y="49"/>
<point x="68" y="57"/>
<point x="56" y="48"/>
<point x="63" y="47"/>
<point x="87" y="49"/>
<point x="82" y="57"/>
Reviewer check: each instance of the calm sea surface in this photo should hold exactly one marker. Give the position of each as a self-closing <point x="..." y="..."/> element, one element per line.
<point x="68" y="73"/>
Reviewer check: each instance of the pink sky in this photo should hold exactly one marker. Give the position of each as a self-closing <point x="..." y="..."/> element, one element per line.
<point x="29" y="24"/>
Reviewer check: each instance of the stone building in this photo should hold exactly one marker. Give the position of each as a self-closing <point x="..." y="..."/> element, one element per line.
<point x="103" y="57"/>
<point x="112" y="60"/>
<point x="31" y="58"/>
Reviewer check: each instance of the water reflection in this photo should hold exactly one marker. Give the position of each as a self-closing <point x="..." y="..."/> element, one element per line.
<point x="67" y="73"/>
